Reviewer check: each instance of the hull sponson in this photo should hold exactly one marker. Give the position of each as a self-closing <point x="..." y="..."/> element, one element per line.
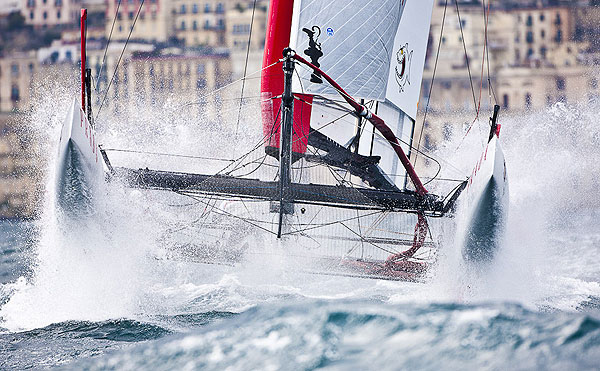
<point x="486" y="205"/>
<point x="79" y="166"/>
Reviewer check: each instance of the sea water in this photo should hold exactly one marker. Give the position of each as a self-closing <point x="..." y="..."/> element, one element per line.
<point x="97" y="294"/>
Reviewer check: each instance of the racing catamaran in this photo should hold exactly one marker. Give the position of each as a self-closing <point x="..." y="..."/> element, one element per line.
<point x="339" y="97"/>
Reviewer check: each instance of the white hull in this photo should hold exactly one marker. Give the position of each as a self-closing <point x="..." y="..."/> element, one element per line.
<point x="485" y="205"/>
<point x="79" y="167"/>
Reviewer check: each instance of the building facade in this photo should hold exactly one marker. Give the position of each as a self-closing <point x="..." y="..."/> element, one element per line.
<point x="154" y="22"/>
<point x="17" y="73"/>
<point x="49" y="13"/>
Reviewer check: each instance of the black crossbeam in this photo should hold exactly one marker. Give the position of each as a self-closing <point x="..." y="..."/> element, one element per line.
<point x="336" y="196"/>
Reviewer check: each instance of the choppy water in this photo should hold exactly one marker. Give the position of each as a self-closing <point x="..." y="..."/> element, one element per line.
<point x="97" y="295"/>
<point x="237" y="319"/>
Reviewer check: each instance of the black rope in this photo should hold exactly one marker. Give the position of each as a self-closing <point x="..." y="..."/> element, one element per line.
<point x="106" y="48"/>
<point x="166" y="154"/>
<point x="245" y="71"/>
<point x="487" y="50"/>
<point x="121" y="56"/>
<point x="432" y="81"/>
<point x="462" y="36"/>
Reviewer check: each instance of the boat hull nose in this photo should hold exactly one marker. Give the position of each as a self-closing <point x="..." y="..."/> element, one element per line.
<point x="79" y="171"/>
<point x="486" y="231"/>
<point x="487" y="206"/>
<point x="74" y="186"/>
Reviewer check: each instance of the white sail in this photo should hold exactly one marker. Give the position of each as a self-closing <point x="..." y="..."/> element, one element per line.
<point x="358" y="43"/>
<point x="374" y="144"/>
<point x="408" y="57"/>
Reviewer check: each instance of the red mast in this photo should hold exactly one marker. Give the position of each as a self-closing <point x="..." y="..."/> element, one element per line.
<point x="279" y="27"/>
<point x="83" y="57"/>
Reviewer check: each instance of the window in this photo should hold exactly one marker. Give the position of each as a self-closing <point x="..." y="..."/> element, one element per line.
<point x="45" y="15"/>
<point x="543" y="34"/>
<point x="529" y="37"/>
<point x="447" y="131"/>
<point x="14" y="93"/>
<point x="505" y="101"/>
<point x="182" y="25"/>
<point x="529" y="21"/>
<point x="195" y="8"/>
<point x="130" y="15"/>
<point x="69" y="55"/>
<point x="220" y="8"/>
<point x="58" y="14"/>
<point x="559" y="36"/>
<point x="31" y="67"/>
<point x="206" y="24"/>
<point x="58" y="2"/>
<point x="543" y="52"/>
<point x="183" y="9"/>
<point x="194" y="25"/>
<point x="560" y="83"/>
<point x="14" y="70"/>
<point x="557" y="21"/>
<point x="542" y="17"/>
<point x="207" y="8"/>
<point x="30" y="15"/>
<point x="529" y="53"/>
<point x="31" y="3"/>
<point x="527" y="101"/>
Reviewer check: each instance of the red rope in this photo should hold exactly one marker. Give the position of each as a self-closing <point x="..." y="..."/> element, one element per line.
<point x="376" y="121"/>
<point x="421" y="229"/>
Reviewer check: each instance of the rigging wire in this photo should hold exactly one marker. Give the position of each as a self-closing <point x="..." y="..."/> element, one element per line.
<point x="120" y="57"/>
<point x="437" y="56"/>
<point x="201" y="99"/>
<point x="462" y="37"/>
<point x="245" y="70"/>
<point x="490" y="87"/>
<point x="485" y="47"/>
<point x="106" y="48"/>
<point x="166" y="154"/>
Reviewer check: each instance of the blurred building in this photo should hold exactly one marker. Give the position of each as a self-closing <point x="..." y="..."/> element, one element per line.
<point x="20" y="179"/>
<point x="539" y="52"/>
<point x="154" y="23"/>
<point x="10" y="6"/>
<point x="49" y="13"/>
<point x="147" y="75"/>
<point x="200" y="23"/>
<point x="17" y="72"/>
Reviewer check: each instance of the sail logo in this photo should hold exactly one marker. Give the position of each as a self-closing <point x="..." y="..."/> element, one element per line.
<point x="314" y="51"/>
<point x="403" y="60"/>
